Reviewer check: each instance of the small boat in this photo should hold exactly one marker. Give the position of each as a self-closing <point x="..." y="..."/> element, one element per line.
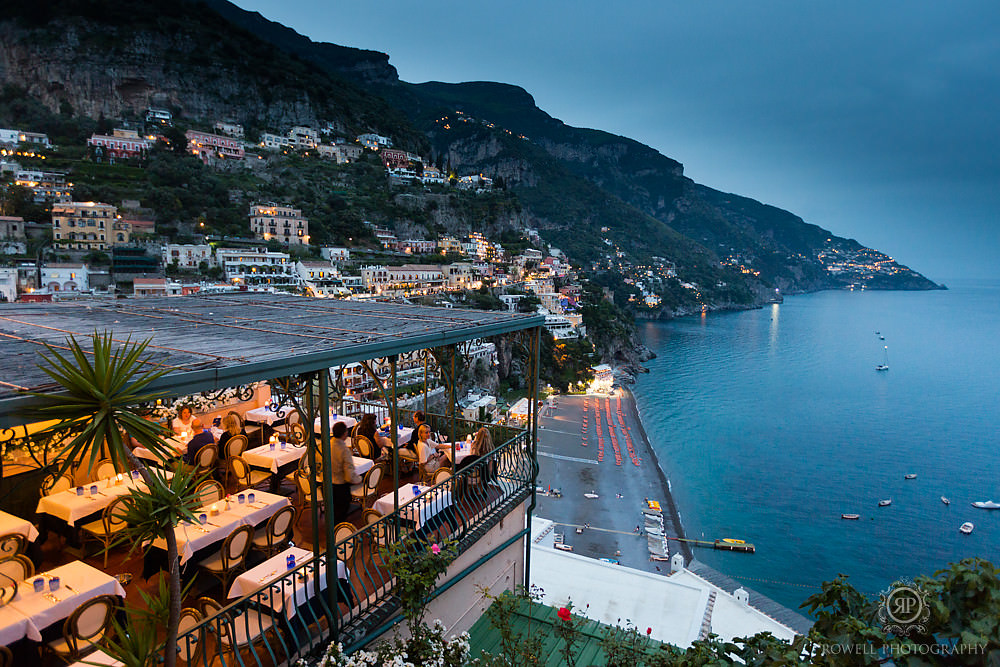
<point x="591" y="495"/>
<point x="729" y="540"/>
<point x="986" y="505"/>
<point x="966" y="528"/>
<point x="884" y="366"/>
<point x="852" y="517"/>
<point x="912" y="475"/>
<point x="945" y="500"/>
<point x="885" y="503"/>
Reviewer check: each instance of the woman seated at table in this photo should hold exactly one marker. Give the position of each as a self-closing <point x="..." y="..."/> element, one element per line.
<point x="230" y="426"/>
<point x="428" y="458"/>
<point x="368" y="429"/>
<point x="482" y="445"/>
<point x="342" y="474"/>
<point x="182" y="422"/>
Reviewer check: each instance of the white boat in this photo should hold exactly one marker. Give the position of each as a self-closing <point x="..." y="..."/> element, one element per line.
<point x="850" y="517"/>
<point x="884" y="366"/>
<point x="885" y="503"/>
<point x="911" y="475"/>
<point x="966" y="528"/>
<point x="986" y="505"/>
<point x="945" y="500"/>
<point x="591" y="495"/>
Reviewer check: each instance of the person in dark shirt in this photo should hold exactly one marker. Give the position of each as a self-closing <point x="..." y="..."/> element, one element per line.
<point x="367" y="428"/>
<point x="231" y="426"/>
<point x="418" y="420"/>
<point x="201" y="438"/>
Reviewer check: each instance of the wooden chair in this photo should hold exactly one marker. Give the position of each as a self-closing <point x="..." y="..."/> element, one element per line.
<point x="305" y="495"/>
<point x="234" y="632"/>
<point x="235" y="446"/>
<point x="108" y="527"/>
<point x="17" y="567"/>
<point x="231" y="557"/>
<point x="209" y="492"/>
<point x="343" y="531"/>
<point x="190" y="646"/>
<point x="6" y="657"/>
<point x="12" y="544"/>
<point x="55" y="483"/>
<point x="247" y="477"/>
<point x="441" y="475"/>
<point x="363" y="446"/>
<point x="85" y="628"/>
<point x="276" y="533"/>
<point x="206" y="459"/>
<point x="368" y="488"/>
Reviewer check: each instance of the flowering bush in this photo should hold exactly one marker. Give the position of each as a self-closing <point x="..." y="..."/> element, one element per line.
<point x="197" y="403"/>
<point x="429" y="648"/>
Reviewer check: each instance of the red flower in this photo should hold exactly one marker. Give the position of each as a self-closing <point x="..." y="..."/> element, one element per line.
<point x="564" y="613"/>
<point x="649" y="631"/>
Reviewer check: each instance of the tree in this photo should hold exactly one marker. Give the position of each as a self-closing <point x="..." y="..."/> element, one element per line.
<point x="96" y="412"/>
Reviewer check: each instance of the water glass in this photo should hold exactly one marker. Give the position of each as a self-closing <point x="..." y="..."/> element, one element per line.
<point x="251" y="497"/>
<point x="53" y="583"/>
<point x="39" y="584"/>
<point x="242" y="498"/>
<point x="93" y="489"/>
<point x="203" y="518"/>
<point x="290" y="561"/>
<point x="272" y="446"/>
<point x="283" y="444"/>
<point x="79" y="490"/>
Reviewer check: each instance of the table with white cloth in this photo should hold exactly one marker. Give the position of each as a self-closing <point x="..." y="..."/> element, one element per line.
<point x="70" y="507"/>
<point x="422" y="510"/>
<point x="268" y="415"/>
<point x="349" y="422"/>
<point x="176" y="447"/>
<point x="286" y="595"/>
<point x="463" y="449"/>
<point x="266" y="458"/>
<point x="194" y="537"/>
<point x="29" y="613"/>
<point x="10" y="524"/>
<point x="404" y="436"/>
<point x="98" y="658"/>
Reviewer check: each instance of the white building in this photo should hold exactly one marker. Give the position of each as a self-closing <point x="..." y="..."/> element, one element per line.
<point x="8" y="136"/>
<point x="303" y="137"/>
<point x="560" y="327"/>
<point x="511" y="301"/>
<point x="187" y="256"/>
<point x="321" y="279"/>
<point x="374" y="141"/>
<point x="234" y="130"/>
<point x="257" y="267"/>
<point x="603" y="378"/>
<point x="8" y="284"/>
<point x="481" y="350"/>
<point x="476" y="407"/>
<point x="274" y="142"/>
<point x="401" y="280"/>
<point x="279" y="222"/>
<point x="151" y="287"/>
<point x="65" y="278"/>
<point x="335" y="254"/>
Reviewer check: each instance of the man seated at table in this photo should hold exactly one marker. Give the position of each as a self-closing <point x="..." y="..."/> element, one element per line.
<point x="418" y="421"/>
<point x="201" y="438"/>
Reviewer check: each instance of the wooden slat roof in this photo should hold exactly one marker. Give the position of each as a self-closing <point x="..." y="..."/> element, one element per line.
<point x="210" y="341"/>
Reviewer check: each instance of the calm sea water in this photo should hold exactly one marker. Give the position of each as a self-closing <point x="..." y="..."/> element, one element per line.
<point x="772" y="423"/>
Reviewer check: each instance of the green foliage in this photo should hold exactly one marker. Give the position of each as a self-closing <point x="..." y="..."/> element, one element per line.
<point x="417" y="566"/>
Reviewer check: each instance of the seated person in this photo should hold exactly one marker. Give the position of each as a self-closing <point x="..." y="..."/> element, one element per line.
<point x="418" y="421"/>
<point x="230" y="426"/>
<point x="482" y="445"/>
<point x="428" y="458"/>
<point x="182" y="422"/>
<point x="201" y="438"/>
<point x="368" y="429"/>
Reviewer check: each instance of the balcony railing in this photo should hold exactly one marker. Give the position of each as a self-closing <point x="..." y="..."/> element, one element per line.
<point x="292" y="616"/>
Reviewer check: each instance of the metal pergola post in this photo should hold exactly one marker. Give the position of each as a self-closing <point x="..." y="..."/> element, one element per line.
<point x="331" y="540"/>
<point x="394" y="427"/>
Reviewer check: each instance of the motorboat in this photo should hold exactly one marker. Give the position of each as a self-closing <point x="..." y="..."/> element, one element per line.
<point x="591" y="495"/>
<point x="884" y="366"/>
<point x="945" y="500"/>
<point x="966" y="528"/>
<point x="885" y="503"/>
<point x="852" y="517"/>
<point x="986" y="505"/>
<point x="730" y="540"/>
<point x="912" y="475"/>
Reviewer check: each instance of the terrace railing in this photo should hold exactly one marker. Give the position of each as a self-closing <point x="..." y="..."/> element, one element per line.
<point x="298" y="613"/>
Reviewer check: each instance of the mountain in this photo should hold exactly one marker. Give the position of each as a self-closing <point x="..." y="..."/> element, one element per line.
<point x="606" y="200"/>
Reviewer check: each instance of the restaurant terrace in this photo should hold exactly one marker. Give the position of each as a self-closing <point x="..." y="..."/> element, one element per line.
<point x="274" y="364"/>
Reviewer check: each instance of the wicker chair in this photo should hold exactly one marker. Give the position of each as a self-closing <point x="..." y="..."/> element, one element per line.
<point x="247" y="477"/>
<point x="209" y="492"/>
<point x="234" y="632"/>
<point x="231" y="557"/>
<point x="190" y="646"/>
<point x="85" y="628"/>
<point x="12" y="544"/>
<point x="276" y="533"/>
<point x="366" y="492"/>
<point x="18" y="567"/>
<point x="108" y="527"/>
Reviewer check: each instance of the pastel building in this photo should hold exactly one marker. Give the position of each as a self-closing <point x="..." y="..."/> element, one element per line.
<point x="281" y="223"/>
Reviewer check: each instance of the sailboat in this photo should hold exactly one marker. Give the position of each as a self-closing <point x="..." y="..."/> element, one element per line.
<point x="884" y="366"/>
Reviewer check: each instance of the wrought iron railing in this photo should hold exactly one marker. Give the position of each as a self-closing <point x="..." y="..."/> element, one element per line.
<point x="298" y="614"/>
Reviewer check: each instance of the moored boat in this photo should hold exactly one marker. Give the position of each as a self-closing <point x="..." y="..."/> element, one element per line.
<point x="885" y="503"/>
<point x="852" y="517"/>
<point x="945" y="500"/>
<point x="912" y="475"/>
<point x="986" y="505"/>
<point x="966" y="528"/>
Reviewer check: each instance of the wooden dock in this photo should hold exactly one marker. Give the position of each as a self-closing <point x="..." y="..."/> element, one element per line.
<point x="738" y="546"/>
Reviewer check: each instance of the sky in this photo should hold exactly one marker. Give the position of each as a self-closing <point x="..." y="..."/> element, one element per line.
<point x="875" y="120"/>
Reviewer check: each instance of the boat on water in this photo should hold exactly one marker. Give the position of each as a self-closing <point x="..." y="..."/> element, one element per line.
<point x="885" y="503"/>
<point x="986" y="505"/>
<point x="730" y="540"/>
<point x="966" y="528"/>
<point x="852" y="517"/>
<point x="945" y="500"/>
<point x="912" y="475"/>
<point x="591" y="495"/>
<point x="884" y="366"/>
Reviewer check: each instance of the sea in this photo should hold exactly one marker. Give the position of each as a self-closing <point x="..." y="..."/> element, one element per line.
<point x="772" y="423"/>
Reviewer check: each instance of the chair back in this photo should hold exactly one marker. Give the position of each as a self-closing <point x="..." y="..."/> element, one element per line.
<point x="208" y="492"/>
<point x="373" y="479"/>
<point x="294" y="418"/>
<point x="342" y="531"/>
<point x="363" y="446"/>
<point x="236" y="445"/>
<point x="279" y="526"/>
<point x="188" y="647"/>
<point x="441" y="475"/>
<point x="296" y="433"/>
<point x="12" y="544"/>
<point x="104" y="469"/>
<point x="54" y="483"/>
<point x="18" y="567"/>
<point x="302" y="486"/>
<point x="236" y="547"/>
<point x="6" y="657"/>
<point x="114" y="516"/>
<point x="371" y="516"/>
<point x="89" y="622"/>
<point x="206" y="458"/>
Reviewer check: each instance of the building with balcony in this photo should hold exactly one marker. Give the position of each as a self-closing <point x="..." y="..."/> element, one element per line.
<point x="374" y="141"/>
<point x="45" y="185"/>
<point x="234" y="130"/>
<point x="88" y="226"/>
<point x="123" y="144"/>
<point x="65" y="278"/>
<point x="321" y="279"/>
<point x="187" y="255"/>
<point x="257" y="267"/>
<point x="402" y="280"/>
<point x="280" y="223"/>
<point x="207" y="146"/>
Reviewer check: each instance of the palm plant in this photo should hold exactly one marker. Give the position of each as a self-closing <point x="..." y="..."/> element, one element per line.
<point x="96" y="412"/>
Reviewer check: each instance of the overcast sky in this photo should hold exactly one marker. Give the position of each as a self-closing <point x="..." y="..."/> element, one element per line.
<point x="876" y="120"/>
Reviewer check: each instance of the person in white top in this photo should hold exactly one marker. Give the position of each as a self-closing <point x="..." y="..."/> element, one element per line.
<point x="428" y="458"/>
<point x="182" y="422"/>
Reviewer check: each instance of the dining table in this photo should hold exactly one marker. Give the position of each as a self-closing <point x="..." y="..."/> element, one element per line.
<point x="333" y="418"/>
<point x="285" y="594"/>
<point x="463" y="449"/>
<point x="99" y="659"/>
<point x="30" y="612"/>
<point x="424" y="506"/>
<point x="268" y="414"/>
<point x="78" y="503"/>
<point x="15" y="525"/>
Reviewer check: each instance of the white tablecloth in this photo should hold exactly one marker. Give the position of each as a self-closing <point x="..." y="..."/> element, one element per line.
<point x="265" y="415"/>
<point x="266" y="458"/>
<point x="348" y="421"/>
<point x="69" y="507"/>
<point x="14" y="524"/>
<point x="176" y="444"/>
<point x="98" y="658"/>
<point x="462" y="449"/>
<point x="420" y="510"/>
<point x="285" y="595"/>
<point x="404" y="436"/>
<point x="79" y="582"/>
<point x="191" y="538"/>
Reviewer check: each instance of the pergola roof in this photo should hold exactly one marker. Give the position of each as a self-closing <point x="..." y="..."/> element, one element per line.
<point x="214" y="341"/>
